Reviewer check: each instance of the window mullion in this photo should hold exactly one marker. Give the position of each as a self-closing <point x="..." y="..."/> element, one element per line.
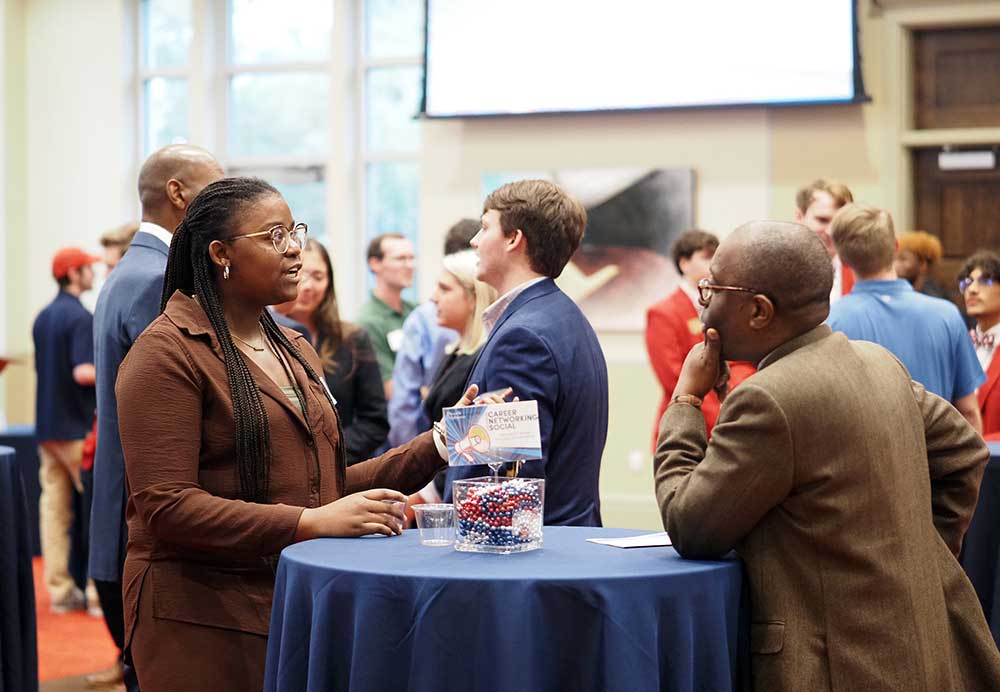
<point x="199" y="76"/>
<point x="277" y="67"/>
<point x="137" y="131"/>
<point x="219" y="82"/>
<point x="416" y="60"/>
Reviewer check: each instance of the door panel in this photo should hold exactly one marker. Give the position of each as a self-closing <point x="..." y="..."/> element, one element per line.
<point x="962" y="208"/>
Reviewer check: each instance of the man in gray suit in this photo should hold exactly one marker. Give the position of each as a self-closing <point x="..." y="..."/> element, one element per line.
<point x="845" y="486"/>
<point x="130" y="299"/>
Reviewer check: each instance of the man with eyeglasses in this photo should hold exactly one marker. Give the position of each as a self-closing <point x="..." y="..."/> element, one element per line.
<point x="169" y="180"/>
<point x="392" y="263"/>
<point x="927" y="334"/>
<point x="844" y="486"/>
<point x="424" y="343"/>
<point x="673" y="327"/>
<point x="979" y="284"/>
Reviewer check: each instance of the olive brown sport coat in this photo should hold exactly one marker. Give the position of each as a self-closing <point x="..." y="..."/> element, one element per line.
<point x="847" y="489"/>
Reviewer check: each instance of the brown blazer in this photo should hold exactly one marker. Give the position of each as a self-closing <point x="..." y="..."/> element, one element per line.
<point x="846" y="489"/>
<point x="199" y="550"/>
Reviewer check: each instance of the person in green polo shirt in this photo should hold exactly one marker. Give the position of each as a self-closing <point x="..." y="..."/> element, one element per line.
<point x="391" y="260"/>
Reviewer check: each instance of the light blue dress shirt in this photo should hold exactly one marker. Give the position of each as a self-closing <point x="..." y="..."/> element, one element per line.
<point x="416" y="362"/>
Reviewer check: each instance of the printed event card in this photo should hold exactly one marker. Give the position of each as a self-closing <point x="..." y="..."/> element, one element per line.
<point x="492" y="433"/>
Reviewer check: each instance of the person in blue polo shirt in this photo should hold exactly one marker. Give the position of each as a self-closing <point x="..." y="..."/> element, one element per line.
<point x="926" y="334"/>
<point x="64" y="409"/>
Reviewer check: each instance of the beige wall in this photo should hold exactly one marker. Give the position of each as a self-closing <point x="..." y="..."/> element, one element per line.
<point x="850" y="143"/>
<point x="748" y="164"/>
<point x="65" y="156"/>
<point x="729" y="151"/>
<point x="66" y="177"/>
<point x="13" y="152"/>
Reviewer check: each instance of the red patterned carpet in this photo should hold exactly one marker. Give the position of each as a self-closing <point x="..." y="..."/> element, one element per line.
<point x="69" y="645"/>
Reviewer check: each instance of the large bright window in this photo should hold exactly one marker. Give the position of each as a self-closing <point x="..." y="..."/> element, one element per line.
<point x="277" y="99"/>
<point x="165" y="31"/>
<point x="391" y="78"/>
<point x="319" y="97"/>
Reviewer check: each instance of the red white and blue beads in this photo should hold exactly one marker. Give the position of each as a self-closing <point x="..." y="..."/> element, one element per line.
<point x="505" y="514"/>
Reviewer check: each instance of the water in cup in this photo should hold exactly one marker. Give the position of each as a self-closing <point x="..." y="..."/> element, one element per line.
<point x="436" y="523"/>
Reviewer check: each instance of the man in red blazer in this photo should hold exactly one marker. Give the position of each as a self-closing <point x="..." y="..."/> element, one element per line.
<point x="979" y="282"/>
<point x="673" y="325"/>
<point x="815" y="206"/>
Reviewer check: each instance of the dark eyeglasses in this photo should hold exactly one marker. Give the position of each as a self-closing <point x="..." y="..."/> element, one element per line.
<point x="965" y="283"/>
<point x="280" y="236"/>
<point x="706" y="289"/>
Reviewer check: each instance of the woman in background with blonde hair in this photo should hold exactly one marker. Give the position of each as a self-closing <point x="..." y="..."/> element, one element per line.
<point x="461" y="300"/>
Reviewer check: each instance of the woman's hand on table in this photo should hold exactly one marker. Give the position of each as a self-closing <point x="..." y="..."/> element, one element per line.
<point x="370" y="511"/>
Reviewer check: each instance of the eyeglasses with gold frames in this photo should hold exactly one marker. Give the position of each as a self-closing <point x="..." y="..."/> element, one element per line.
<point x="280" y="236"/>
<point x="707" y="288"/>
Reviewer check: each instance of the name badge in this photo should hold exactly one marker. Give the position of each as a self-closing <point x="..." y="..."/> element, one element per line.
<point x="395" y="339"/>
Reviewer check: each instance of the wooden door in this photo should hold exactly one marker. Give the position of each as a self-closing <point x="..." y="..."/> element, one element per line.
<point x="956" y="77"/>
<point x="962" y="208"/>
<point x="956" y="84"/>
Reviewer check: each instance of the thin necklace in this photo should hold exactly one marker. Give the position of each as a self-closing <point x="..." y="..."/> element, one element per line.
<point x="258" y="350"/>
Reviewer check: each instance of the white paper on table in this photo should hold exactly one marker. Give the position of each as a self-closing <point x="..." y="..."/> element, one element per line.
<point x="646" y="540"/>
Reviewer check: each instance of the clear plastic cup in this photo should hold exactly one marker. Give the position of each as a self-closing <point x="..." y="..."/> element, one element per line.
<point x="397" y="503"/>
<point x="436" y="523"/>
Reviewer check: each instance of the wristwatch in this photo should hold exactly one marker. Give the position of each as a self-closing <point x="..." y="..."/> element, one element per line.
<point x="689" y="399"/>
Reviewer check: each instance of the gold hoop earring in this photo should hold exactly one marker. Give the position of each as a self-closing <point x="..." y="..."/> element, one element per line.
<point x="225" y="272"/>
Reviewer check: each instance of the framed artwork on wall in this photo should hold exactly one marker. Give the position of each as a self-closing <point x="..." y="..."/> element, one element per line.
<point x="623" y="264"/>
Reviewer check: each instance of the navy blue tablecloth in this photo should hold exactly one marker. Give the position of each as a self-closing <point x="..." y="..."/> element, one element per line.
<point x="21" y="438"/>
<point x="18" y="648"/>
<point x="981" y="548"/>
<point x="390" y="614"/>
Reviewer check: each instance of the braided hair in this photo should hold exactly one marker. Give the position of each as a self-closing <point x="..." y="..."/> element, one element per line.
<point x="191" y="271"/>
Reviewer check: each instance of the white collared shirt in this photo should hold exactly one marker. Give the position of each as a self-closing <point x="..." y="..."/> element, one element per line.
<point x="837" y="291"/>
<point x="985" y="353"/>
<point x="157" y="231"/>
<point x="494" y="311"/>
<point x="693" y="294"/>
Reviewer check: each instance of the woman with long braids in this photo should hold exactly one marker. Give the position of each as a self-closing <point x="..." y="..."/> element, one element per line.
<point x="349" y="364"/>
<point x="233" y="448"/>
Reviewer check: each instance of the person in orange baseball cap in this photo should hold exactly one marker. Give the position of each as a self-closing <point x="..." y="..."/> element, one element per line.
<point x="64" y="408"/>
<point x="70" y="258"/>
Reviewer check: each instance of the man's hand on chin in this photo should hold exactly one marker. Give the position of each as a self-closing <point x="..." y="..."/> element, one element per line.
<point x="704" y="370"/>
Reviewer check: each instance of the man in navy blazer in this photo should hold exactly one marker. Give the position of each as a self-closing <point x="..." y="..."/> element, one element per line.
<point x="541" y="345"/>
<point x="129" y="300"/>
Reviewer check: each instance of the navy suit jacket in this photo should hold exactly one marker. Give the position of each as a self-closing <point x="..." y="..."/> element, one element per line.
<point x="545" y="349"/>
<point x="128" y="302"/>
